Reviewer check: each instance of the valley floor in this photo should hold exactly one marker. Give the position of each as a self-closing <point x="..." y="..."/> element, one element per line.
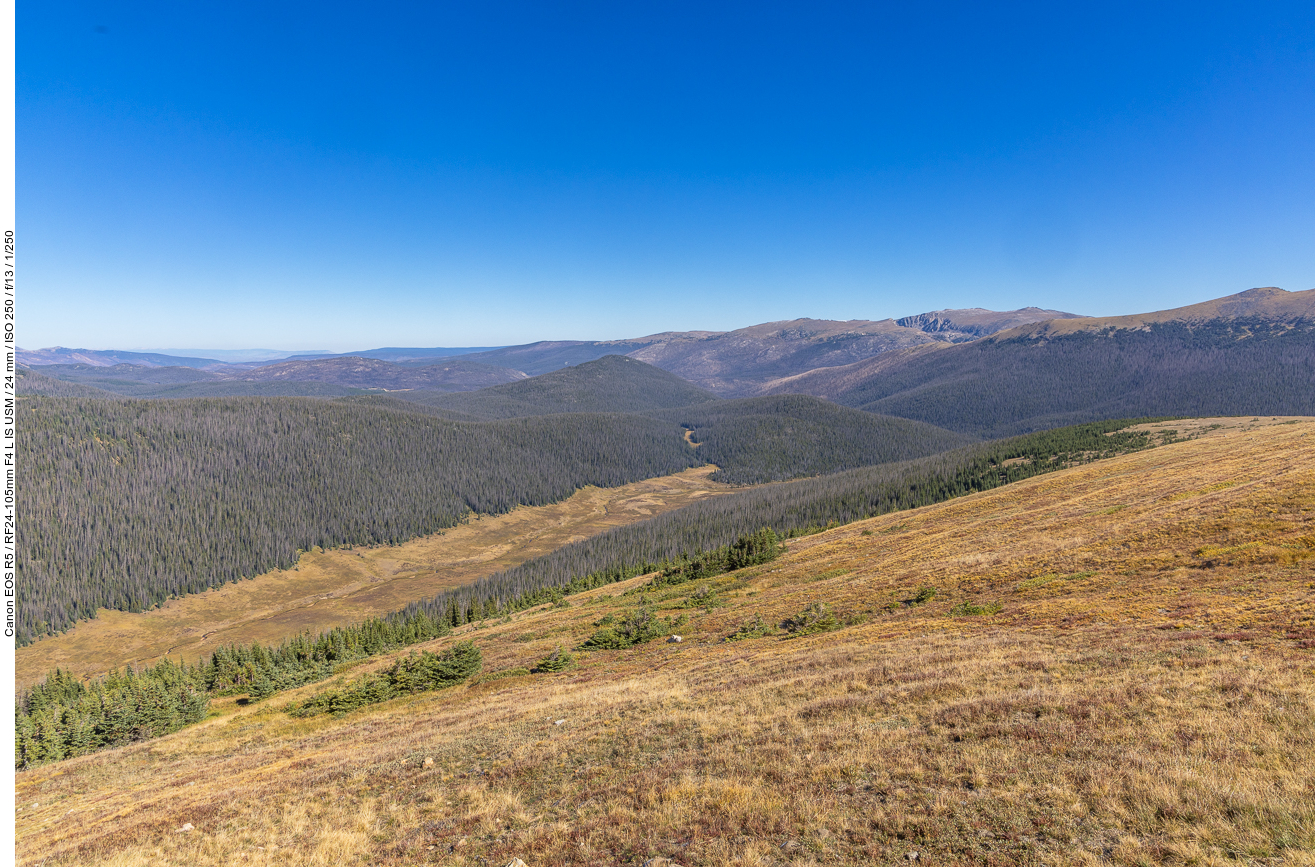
<point x="347" y="585"/>
<point x="1145" y="693"/>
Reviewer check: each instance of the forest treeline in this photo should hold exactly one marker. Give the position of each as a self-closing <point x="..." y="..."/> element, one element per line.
<point x="128" y="503"/>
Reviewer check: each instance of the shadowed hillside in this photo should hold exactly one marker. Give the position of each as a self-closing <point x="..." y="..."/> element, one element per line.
<point x="999" y="387"/>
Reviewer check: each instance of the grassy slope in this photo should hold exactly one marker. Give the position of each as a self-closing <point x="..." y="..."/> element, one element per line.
<point x="1146" y="694"/>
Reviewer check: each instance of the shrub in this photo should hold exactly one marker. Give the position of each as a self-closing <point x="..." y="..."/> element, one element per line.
<point x="924" y="594"/>
<point x="755" y="628"/>
<point x="410" y="674"/>
<point x="637" y="627"/>
<point x="559" y="660"/>
<point x="972" y="609"/>
<point x="817" y="617"/>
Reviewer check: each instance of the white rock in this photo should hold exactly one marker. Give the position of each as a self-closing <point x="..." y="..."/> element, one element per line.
<point x="187" y="826"/>
<point x="675" y="639"/>
<point x="559" y="722"/>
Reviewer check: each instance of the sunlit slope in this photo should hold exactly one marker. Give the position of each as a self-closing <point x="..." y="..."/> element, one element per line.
<point x="339" y="587"/>
<point x="1145" y="694"/>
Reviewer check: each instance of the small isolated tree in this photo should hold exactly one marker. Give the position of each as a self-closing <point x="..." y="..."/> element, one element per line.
<point x="815" y="618"/>
<point x="753" y="628"/>
<point x="559" y="660"/>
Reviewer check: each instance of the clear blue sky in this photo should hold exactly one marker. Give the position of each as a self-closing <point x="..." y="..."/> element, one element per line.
<point x="345" y="176"/>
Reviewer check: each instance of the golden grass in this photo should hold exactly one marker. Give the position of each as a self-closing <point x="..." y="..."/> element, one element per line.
<point x="339" y="587"/>
<point x="1136" y="701"/>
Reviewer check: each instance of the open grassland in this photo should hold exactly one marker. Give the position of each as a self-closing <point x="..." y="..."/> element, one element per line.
<point x="1145" y="694"/>
<point x="347" y="585"/>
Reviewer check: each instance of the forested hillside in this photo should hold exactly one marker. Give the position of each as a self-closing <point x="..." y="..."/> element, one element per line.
<point x="771" y="439"/>
<point x="998" y="387"/>
<point x="135" y="380"/>
<point x="30" y="382"/>
<point x="325" y="377"/>
<point x="614" y="383"/>
<point x="130" y="502"/>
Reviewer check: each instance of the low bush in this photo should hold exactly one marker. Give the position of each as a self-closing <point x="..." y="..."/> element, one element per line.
<point x="754" y="628"/>
<point x="972" y="609"/>
<point x="559" y="660"/>
<point x="410" y="674"/>
<point x="636" y="627"/>
<point x="817" y="617"/>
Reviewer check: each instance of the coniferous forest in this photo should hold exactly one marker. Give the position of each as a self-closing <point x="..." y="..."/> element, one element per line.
<point x="128" y="503"/>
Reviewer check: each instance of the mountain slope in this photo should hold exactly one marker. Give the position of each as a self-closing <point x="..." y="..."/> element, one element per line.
<point x="1154" y="638"/>
<point x="448" y="374"/>
<point x="1268" y="304"/>
<point x="107" y="358"/>
<point x="960" y="326"/>
<point x="1249" y="353"/>
<point x="767" y="439"/>
<point x="737" y="363"/>
<point x="613" y="383"/>
<point x="29" y="383"/>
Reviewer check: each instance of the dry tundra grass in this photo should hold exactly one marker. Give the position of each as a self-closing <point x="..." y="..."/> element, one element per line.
<point x="1145" y="695"/>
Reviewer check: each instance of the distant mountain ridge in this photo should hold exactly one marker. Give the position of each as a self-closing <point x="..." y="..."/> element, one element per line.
<point x="959" y="326"/>
<point x="741" y="362"/>
<point x="1249" y="353"/>
<point x="735" y="363"/>
<point x="856" y="362"/>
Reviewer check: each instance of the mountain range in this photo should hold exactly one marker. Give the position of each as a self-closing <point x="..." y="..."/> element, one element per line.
<point x="728" y="363"/>
<point x="974" y="371"/>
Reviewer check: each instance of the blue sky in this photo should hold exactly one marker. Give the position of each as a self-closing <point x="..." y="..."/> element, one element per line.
<point x="346" y="176"/>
